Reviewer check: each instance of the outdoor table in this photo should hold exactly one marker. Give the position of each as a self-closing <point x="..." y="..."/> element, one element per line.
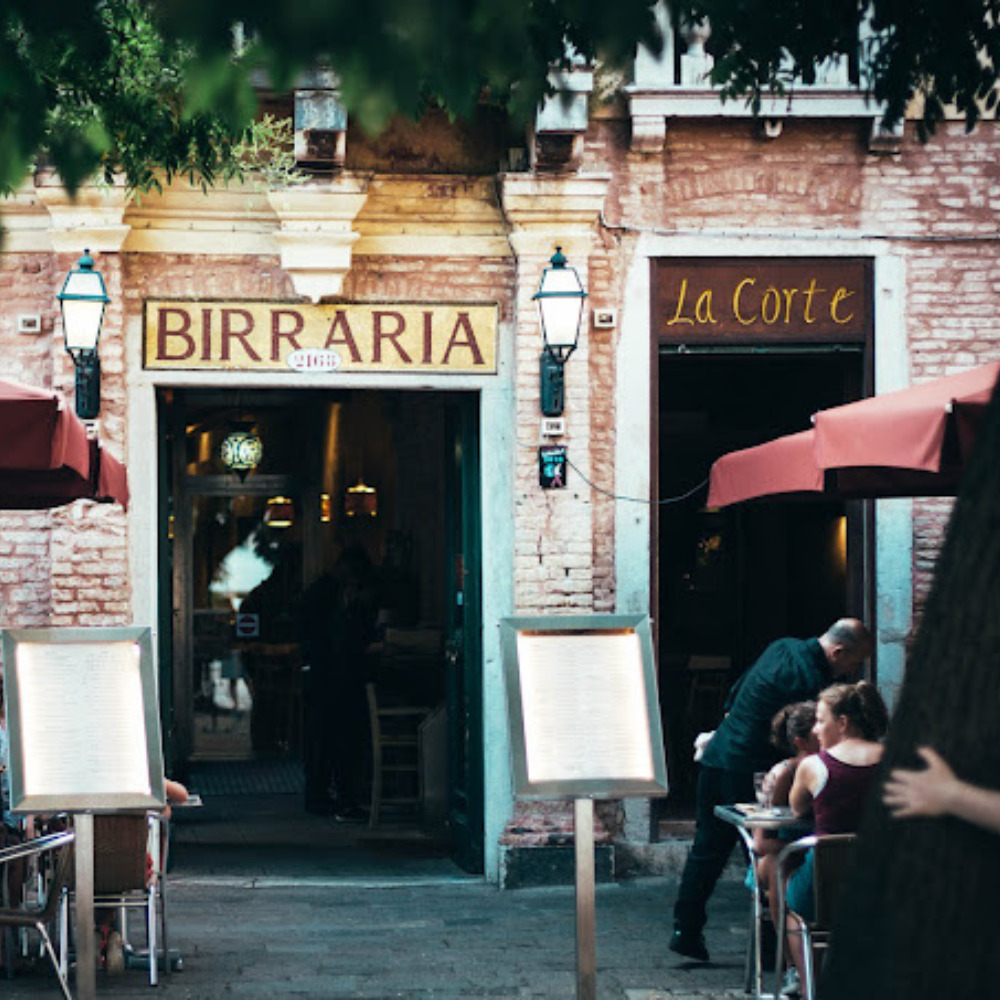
<point x="747" y="817"/>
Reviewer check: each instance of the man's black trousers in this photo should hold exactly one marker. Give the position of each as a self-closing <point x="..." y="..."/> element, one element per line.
<point x="713" y="843"/>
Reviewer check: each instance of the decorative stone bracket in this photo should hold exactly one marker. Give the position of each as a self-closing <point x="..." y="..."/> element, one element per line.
<point x="94" y="220"/>
<point x="550" y="209"/>
<point x="316" y="232"/>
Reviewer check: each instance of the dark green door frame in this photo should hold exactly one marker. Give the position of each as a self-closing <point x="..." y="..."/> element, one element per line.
<point x="464" y="630"/>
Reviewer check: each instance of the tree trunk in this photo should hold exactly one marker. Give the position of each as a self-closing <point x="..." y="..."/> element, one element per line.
<point x="919" y="917"/>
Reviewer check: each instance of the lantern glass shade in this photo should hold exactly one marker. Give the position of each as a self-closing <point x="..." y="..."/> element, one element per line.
<point x="82" y="300"/>
<point x="361" y="501"/>
<point x="241" y="452"/>
<point x="560" y="298"/>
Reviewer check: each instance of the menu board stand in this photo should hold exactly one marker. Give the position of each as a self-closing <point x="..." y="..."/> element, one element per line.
<point x="586" y="921"/>
<point x="83" y="858"/>
<point x="84" y="725"/>
<point x="584" y="719"/>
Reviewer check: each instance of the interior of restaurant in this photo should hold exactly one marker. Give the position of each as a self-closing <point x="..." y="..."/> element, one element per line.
<point x="270" y="495"/>
<point x="731" y="580"/>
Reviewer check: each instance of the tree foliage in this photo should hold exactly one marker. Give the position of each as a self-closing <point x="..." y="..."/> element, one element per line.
<point x="945" y="53"/>
<point x="144" y="87"/>
<point x="137" y="88"/>
<point x="98" y="88"/>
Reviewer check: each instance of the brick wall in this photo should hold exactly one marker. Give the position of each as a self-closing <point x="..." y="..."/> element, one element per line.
<point x="67" y="566"/>
<point x="934" y="206"/>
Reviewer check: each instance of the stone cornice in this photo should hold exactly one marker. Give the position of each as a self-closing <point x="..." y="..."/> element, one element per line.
<point x="93" y="220"/>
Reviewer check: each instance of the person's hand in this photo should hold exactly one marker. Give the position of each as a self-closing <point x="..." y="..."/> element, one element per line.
<point x="701" y="741"/>
<point x="921" y="793"/>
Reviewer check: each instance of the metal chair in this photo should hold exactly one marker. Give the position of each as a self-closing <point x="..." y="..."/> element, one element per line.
<point x="832" y="856"/>
<point x="129" y="875"/>
<point x="52" y="903"/>
<point x="760" y="920"/>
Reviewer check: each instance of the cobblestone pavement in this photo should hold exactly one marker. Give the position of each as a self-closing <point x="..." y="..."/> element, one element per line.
<point x="422" y="938"/>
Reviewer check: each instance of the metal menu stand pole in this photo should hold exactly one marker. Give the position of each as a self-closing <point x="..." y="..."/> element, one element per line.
<point x="586" y="942"/>
<point x="86" y="959"/>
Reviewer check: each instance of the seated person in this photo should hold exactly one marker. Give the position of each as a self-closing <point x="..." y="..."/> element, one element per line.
<point x="792" y="732"/>
<point x="834" y="784"/>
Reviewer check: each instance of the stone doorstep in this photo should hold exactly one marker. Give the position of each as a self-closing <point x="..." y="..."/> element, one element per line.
<point x="522" y="867"/>
<point x="670" y="829"/>
<point x="683" y="994"/>
<point x="665" y="858"/>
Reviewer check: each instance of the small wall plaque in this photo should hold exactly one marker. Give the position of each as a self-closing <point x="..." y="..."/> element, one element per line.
<point x="552" y="467"/>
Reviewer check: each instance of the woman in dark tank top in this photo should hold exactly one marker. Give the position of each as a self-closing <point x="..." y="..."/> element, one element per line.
<point x="834" y="784"/>
<point x="838" y="806"/>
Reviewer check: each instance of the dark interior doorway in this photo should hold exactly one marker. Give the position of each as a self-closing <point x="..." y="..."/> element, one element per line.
<point x="729" y="581"/>
<point x="256" y="572"/>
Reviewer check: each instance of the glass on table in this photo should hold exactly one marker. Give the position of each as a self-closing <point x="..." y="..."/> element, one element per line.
<point x="760" y="790"/>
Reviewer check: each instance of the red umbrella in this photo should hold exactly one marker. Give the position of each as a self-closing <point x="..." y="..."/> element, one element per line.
<point x="914" y="442"/>
<point x="46" y="458"/>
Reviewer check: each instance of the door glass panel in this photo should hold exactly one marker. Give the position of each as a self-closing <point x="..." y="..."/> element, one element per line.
<point x="245" y="588"/>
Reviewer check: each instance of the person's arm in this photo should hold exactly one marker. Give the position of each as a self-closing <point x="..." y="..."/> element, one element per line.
<point x="937" y="791"/>
<point x="807" y="777"/>
<point x="781" y="782"/>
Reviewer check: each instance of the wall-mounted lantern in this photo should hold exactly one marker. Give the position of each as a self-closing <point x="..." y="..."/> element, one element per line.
<point x="559" y="298"/>
<point x="82" y="302"/>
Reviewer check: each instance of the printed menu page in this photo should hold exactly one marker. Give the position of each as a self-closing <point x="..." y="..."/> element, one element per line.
<point x="82" y="718"/>
<point x="584" y="707"/>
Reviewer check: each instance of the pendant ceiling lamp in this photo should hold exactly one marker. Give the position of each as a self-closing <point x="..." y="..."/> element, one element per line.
<point x="241" y="451"/>
<point x="361" y="500"/>
<point x="279" y="513"/>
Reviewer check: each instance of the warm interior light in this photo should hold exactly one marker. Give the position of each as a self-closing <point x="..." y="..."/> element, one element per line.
<point x="325" y="508"/>
<point x="840" y="544"/>
<point x="361" y="500"/>
<point x="279" y="513"/>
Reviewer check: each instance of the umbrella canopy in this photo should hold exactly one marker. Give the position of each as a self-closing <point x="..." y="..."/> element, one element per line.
<point x="914" y="442"/>
<point x="46" y="458"/>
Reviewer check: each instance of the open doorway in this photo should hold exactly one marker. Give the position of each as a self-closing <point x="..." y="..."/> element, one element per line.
<point x="730" y="581"/>
<point x="313" y="609"/>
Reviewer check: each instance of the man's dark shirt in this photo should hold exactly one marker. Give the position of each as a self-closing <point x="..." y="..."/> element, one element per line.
<point x="789" y="670"/>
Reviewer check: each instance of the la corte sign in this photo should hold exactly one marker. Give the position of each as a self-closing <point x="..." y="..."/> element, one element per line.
<point x="342" y="337"/>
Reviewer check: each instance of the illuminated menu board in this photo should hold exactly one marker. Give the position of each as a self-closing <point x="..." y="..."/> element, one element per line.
<point x="83" y="720"/>
<point x="583" y="707"/>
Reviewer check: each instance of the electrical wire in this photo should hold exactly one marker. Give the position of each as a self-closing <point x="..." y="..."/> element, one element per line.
<point x="618" y="496"/>
<point x="652" y="503"/>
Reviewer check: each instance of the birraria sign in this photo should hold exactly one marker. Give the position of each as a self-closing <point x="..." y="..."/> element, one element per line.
<point x="452" y="338"/>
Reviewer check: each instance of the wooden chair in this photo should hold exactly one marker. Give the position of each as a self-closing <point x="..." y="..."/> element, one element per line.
<point x="396" y="764"/>
<point x="832" y="857"/>
<point x="41" y="914"/>
<point x="708" y="687"/>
